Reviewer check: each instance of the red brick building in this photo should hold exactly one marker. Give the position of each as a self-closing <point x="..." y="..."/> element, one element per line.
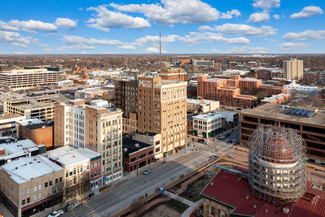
<point x="136" y="154"/>
<point x="40" y="133"/>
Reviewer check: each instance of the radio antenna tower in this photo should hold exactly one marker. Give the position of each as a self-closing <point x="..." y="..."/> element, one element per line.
<point x="160" y="51"/>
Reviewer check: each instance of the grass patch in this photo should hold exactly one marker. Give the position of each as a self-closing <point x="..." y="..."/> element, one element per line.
<point x="177" y="206"/>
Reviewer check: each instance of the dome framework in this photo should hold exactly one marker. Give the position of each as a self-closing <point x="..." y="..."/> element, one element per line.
<point x="277" y="165"/>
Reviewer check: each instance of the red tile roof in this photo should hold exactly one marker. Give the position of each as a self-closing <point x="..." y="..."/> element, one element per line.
<point x="233" y="190"/>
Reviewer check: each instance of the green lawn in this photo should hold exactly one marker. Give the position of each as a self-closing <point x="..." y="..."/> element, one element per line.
<point x="177" y="206"/>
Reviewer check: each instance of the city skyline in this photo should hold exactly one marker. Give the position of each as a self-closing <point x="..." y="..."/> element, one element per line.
<point x="187" y="26"/>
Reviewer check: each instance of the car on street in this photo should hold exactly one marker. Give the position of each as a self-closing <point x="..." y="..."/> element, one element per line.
<point x="200" y="140"/>
<point x="56" y="213"/>
<point x="147" y="171"/>
<point x="229" y="142"/>
<point x="227" y="135"/>
<point x="221" y="137"/>
<point x="206" y="142"/>
<point x="72" y="206"/>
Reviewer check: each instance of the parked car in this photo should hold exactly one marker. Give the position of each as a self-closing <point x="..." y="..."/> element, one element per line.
<point x="227" y="134"/>
<point x="56" y="213"/>
<point x="201" y="140"/>
<point x="229" y="142"/>
<point x="221" y="137"/>
<point x="206" y="142"/>
<point x="72" y="206"/>
<point x="147" y="171"/>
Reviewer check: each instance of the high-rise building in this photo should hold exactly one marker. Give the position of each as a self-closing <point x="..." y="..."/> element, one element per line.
<point x="293" y="69"/>
<point x="27" y="78"/>
<point x="162" y="109"/>
<point x="95" y="127"/>
<point x="174" y="74"/>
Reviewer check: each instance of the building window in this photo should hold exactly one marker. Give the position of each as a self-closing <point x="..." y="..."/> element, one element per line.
<point x="46" y="184"/>
<point x="211" y="210"/>
<point x="39" y="187"/>
<point x="35" y="188"/>
<point x="60" y="179"/>
<point x="50" y="183"/>
<point x="23" y="202"/>
<point x="56" y="180"/>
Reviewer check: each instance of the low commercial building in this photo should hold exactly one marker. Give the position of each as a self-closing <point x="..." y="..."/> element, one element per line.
<point x="40" y="133"/>
<point x="28" y="78"/>
<point x="40" y="107"/>
<point x="8" y="124"/>
<point x="201" y="106"/>
<point x="202" y="63"/>
<point x="308" y="121"/>
<point x="277" y="99"/>
<point x="11" y="149"/>
<point x="30" y="184"/>
<point x="300" y="88"/>
<point x="82" y="169"/>
<point x="65" y="83"/>
<point x="207" y="124"/>
<point x="136" y="154"/>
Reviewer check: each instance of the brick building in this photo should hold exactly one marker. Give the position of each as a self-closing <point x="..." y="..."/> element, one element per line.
<point x="174" y="74"/>
<point x="40" y="133"/>
<point x="136" y="154"/>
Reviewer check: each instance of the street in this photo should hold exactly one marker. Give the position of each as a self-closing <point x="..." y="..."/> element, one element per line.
<point x="127" y="192"/>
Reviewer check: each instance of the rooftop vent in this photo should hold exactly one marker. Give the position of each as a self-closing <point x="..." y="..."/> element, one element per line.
<point x="266" y="210"/>
<point x="286" y="210"/>
<point x="254" y="206"/>
<point x="247" y="196"/>
<point x="211" y="183"/>
<point x="137" y="145"/>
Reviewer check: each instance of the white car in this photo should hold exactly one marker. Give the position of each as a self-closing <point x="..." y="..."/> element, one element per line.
<point x="56" y="213"/>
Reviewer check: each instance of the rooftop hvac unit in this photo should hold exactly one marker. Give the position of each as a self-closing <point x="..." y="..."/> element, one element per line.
<point x="286" y="210"/>
<point x="137" y="145"/>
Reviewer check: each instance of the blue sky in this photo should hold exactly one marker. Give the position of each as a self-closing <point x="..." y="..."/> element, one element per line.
<point x="187" y="26"/>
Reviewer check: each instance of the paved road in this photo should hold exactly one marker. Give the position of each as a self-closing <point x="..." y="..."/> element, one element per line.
<point x="123" y="195"/>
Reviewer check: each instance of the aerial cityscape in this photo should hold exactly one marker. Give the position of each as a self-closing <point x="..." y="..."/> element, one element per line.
<point x="162" y="108"/>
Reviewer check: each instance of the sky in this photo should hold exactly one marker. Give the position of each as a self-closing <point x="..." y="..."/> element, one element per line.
<point x="186" y="26"/>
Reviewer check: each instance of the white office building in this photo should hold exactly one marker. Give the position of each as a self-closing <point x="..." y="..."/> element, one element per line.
<point x="206" y="125"/>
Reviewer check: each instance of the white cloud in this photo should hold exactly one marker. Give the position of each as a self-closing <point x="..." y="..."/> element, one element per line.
<point x="154" y="50"/>
<point x="230" y="14"/>
<point x="171" y="12"/>
<point x="305" y="35"/>
<point x="66" y="23"/>
<point x="106" y="19"/>
<point x="70" y="39"/>
<point x="154" y="40"/>
<point x="259" y="17"/>
<point x="127" y="47"/>
<point x="5" y="26"/>
<point x="14" y="38"/>
<point x="292" y="46"/>
<point x="33" y="26"/>
<point x="266" y="4"/>
<point x="276" y="16"/>
<point x="200" y="37"/>
<point x="243" y="50"/>
<point x="48" y="50"/>
<point x="245" y="30"/>
<point x="206" y="28"/>
<point x="307" y="12"/>
<point x="76" y="47"/>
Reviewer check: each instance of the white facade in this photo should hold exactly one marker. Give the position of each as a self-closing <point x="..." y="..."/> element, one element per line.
<point x="301" y="88"/>
<point x="293" y="69"/>
<point x="204" y="106"/>
<point x="207" y="124"/>
<point x="75" y="126"/>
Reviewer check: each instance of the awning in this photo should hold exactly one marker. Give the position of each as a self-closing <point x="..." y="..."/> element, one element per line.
<point x="165" y="153"/>
<point x="158" y="156"/>
<point x="194" y="131"/>
<point x="210" y="133"/>
<point x="204" y="133"/>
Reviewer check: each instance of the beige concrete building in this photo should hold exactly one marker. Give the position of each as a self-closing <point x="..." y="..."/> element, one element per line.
<point x="29" y="184"/>
<point x="8" y="124"/>
<point x="94" y="127"/>
<point x="162" y="109"/>
<point x="293" y="69"/>
<point x="204" y="106"/>
<point x="28" y="78"/>
<point x="41" y="107"/>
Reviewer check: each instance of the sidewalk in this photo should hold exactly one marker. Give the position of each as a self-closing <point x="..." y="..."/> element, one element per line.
<point x="180" y="199"/>
<point x="189" y="210"/>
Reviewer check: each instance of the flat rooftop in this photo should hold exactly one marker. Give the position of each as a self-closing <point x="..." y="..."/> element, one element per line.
<point x="198" y="101"/>
<point x="9" y="116"/>
<point x="129" y="146"/>
<point x="208" y="116"/>
<point x="69" y="156"/>
<point x="30" y="121"/>
<point x="14" y="147"/>
<point x="40" y="125"/>
<point x="268" y="111"/>
<point x="26" y="168"/>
